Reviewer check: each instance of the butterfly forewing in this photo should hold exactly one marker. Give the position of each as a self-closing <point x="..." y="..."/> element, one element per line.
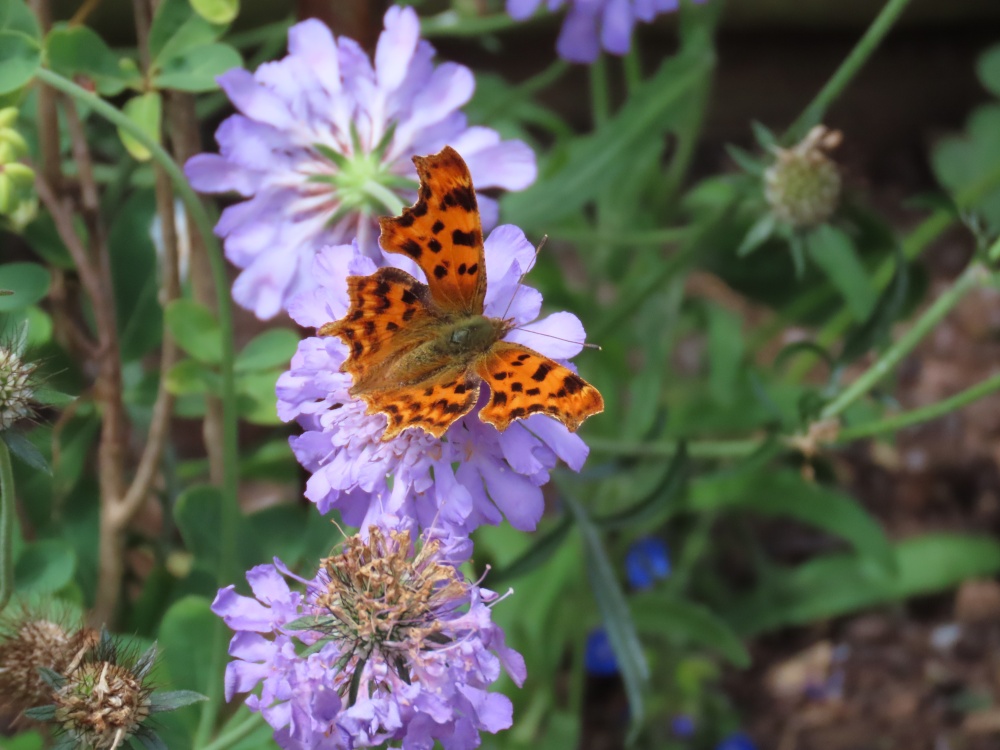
<point x="523" y="382"/>
<point x="441" y="232"/>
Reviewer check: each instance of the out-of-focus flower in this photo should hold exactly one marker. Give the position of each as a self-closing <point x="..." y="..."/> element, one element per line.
<point x="598" y="656"/>
<point x="592" y="25"/>
<point x="737" y="741"/>
<point x="802" y="186"/>
<point x="387" y="643"/>
<point x="682" y="726"/>
<point x="322" y="144"/>
<point x="471" y="476"/>
<point x="646" y="562"/>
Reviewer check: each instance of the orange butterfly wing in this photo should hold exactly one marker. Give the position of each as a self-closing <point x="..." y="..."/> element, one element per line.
<point x="524" y="382"/>
<point x="431" y="406"/>
<point x="442" y="233"/>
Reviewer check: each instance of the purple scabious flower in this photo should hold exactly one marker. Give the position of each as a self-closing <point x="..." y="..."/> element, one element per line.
<point x="591" y="25"/>
<point x="322" y="143"/>
<point x="387" y="643"/>
<point x="472" y="475"/>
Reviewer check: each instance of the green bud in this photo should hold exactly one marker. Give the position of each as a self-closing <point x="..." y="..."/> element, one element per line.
<point x="8" y="115"/>
<point x="15" y="141"/>
<point x="802" y="187"/>
<point x="6" y="194"/>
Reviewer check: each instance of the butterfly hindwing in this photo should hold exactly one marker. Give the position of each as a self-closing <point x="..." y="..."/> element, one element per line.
<point x="524" y="382"/>
<point x="432" y="406"/>
<point x="442" y="233"/>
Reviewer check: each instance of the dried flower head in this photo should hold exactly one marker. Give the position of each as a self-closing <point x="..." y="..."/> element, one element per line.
<point x="389" y="642"/>
<point x="803" y="185"/>
<point x="17" y="387"/>
<point x="29" y="642"/>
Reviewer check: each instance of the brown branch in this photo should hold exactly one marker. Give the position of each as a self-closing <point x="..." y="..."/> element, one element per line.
<point x="48" y="122"/>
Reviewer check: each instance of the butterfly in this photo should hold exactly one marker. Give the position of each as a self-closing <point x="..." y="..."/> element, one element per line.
<point x="419" y="353"/>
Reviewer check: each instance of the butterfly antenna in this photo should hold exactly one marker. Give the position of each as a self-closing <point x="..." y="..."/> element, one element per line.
<point x="584" y="344"/>
<point x="520" y="281"/>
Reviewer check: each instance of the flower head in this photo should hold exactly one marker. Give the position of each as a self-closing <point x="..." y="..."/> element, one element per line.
<point x="473" y="474"/>
<point x="322" y="144"/>
<point x="389" y="642"/>
<point x="591" y="25"/>
<point x="802" y="187"/>
<point x="17" y="387"/>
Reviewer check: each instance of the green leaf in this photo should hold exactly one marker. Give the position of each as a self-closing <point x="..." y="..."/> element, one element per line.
<point x="757" y="235"/>
<point x="25" y="450"/>
<point x="833" y="251"/>
<point x="198" y="514"/>
<point x="72" y="50"/>
<point x="217" y="11"/>
<point x="134" y="275"/>
<point x="176" y="28"/>
<point x="774" y="492"/>
<point x="146" y="111"/>
<point x="44" y="567"/>
<point x="661" y="501"/>
<point x="968" y="162"/>
<point x="171" y="700"/>
<point x="148" y="739"/>
<point x="190" y="376"/>
<point x="595" y="160"/>
<point x="50" y="397"/>
<point x="878" y="325"/>
<point x="195" y="329"/>
<point x="537" y="555"/>
<point x="258" y="403"/>
<point x="745" y="160"/>
<point x="197" y="69"/>
<point x="687" y="622"/>
<point x="186" y="640"/>
<point x="615" y="614"/>
<point x="29" y="282"/>
<point x="988" y="69"/>
<point x="725" y="353"/>
<point x="272" y="348"/>
<point x="27" y="740"/>
<point x="20" y="45"/>
<point x="837" y="585"/>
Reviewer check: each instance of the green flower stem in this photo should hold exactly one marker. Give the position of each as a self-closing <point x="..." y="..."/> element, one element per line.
<point x="389" y="200"/>
<point x="649" y="237"/>
<point x="196" y="211"/>
<point x="261" y="34"/>
<point x="816" y="109"/>
<point x="667" y="449"/>
<point x="232" y="736"/>
<point x="6" y="526"/>
<point x="924" y="414"/>
<point x="886" y="363"/>
<point x="450" y="23"/>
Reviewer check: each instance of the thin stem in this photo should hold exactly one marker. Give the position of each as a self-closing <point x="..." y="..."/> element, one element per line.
<point x="600" y="106"/>
<point x="924" y="414"/>
<point x="667" y="449"/>
<point x="943" y="305"/>
<point x="450" y="23"/>
<point x="232" y="736"/>
<point x="260" y="35"/>
<point x="816" y="109"/>
<point x="649" y="237"/>
<point x="6" y="526"/>
<point x="196" y="212"/>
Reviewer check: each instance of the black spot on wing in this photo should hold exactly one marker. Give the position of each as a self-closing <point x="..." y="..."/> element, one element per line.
<point x="466" y="239"/>
<point x="440" y="272"/>
<point x="437" y="227"/>
<point x="412" y="248"/>
<point x="499" y="398"/>
<point x="542" y="371"/>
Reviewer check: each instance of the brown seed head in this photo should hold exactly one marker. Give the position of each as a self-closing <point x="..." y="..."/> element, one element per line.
<point x="102" y="705"/>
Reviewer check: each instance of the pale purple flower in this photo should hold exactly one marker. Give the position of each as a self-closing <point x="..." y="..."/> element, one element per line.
<point x="591" y="25"/>
<point x="322" y="144"/>
<point x="471" y="476"/>
<point x="352" y="662"/>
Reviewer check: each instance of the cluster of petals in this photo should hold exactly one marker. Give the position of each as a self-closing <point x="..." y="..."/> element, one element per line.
<point x="473" y="475"/>
<point x="593" y="25"/>
<point x="326" y="109"/>
<point x="309" y="699"/>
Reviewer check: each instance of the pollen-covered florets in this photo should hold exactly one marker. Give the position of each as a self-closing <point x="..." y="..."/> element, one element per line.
<point x="802" y="187"/>
<point x="388" y="642"/>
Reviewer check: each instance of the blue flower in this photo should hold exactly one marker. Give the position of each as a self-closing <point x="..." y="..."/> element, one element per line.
<point x="682" y="725"/>
<point x="598" y="656"/>
<point x="736" y="741"/>
<point x="647" y="561"/>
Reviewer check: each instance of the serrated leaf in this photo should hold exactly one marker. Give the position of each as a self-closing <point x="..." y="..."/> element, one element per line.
<point x="28" y="282"/>
<point x="77" y="50"/>
<point x="25" y="450"/>
<point x="197" y="68"/>
<point x="217" y="11"/>
<point x="833" y="251"/>
<point x="615" y="614"/>
<point x="146" y="111"/>
<point x="761" y="231"/>
<point x="272" y="348"/>
<point x="20" y="45"/>
<point x="195" y="329"/>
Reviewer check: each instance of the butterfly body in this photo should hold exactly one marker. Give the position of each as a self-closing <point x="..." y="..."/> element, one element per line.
<point x="419" y="353"/>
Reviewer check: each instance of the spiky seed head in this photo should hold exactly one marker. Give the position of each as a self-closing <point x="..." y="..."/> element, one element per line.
<point x="17" y="388"/>
<point x="802" y="187"/>
<point x="102" y="704"/>
<point x="31" y="643"/>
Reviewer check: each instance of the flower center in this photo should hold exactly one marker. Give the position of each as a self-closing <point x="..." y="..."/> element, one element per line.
<point x="363" y="181"/>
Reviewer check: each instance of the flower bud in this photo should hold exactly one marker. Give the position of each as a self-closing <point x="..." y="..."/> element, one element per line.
<point x="17" y="386"/>
<point x="803" y="185"/>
